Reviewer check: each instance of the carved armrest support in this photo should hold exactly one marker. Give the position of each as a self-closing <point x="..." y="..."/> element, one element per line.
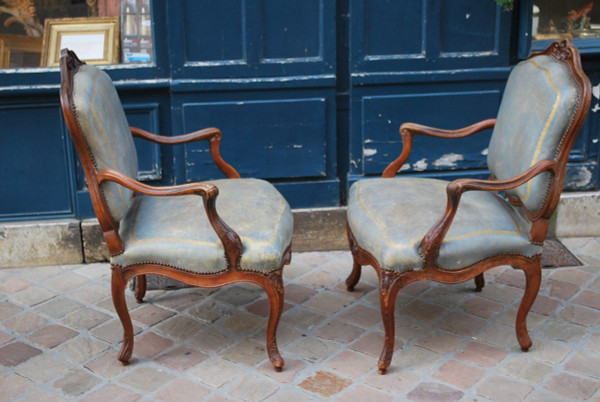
<point x="208" y="191"/>
<point x="433" y="239"/>
<point x="408" y="130"/>
<point x="211" y="134"/>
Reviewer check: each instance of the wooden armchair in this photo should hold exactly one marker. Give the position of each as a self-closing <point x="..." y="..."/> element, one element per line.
<point x="172" y="231"/>
<point x="400" y="227"/>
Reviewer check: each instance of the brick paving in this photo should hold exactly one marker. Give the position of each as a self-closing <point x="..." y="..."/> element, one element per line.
<point x="59" y="338"/>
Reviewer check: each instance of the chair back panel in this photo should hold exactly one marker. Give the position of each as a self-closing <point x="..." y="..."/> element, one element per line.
<point x="540" y="103"/>
<point x="103" y="124"/>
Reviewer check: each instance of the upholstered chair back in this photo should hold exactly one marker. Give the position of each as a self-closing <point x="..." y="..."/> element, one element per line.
<point x="103" y="124"/>
<point x="537" y="110"/>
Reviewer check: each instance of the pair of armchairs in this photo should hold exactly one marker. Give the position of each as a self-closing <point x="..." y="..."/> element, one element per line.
<point x="408" y="229"/>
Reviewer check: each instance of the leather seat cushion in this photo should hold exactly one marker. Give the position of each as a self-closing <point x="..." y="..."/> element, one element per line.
<point x="389" y="217"/>
<point x="175" y="231"/>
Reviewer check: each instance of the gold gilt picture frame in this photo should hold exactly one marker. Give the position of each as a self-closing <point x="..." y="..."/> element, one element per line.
<point x="94" y="40"/>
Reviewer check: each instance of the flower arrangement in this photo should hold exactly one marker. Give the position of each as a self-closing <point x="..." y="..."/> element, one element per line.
<point x="507" y="4"/>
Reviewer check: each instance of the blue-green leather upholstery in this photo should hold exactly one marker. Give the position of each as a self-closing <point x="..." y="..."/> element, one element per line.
<point x="389" y="217"/>
<point x="175" y="231"/>
<point x="538" y="105"/>
<point x="104" y="126"/>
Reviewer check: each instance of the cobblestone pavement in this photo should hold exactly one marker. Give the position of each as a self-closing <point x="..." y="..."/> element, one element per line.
<point x="59" y="338"/>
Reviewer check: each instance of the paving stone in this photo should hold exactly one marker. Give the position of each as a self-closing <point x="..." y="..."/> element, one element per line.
<point x="182" y="390"/>
<point x="215" y="372"/>
<point x="423" y="311"/>
<point x="181" y="359"/>
<point x="287" y="375"/>
<point x="237" y="295"/>
<point x="261" y="307"/>
<point x="415" y="288"/>
<point x="430" y="391"/>
<point x="512" y="277"/>
<point x="302" y="319"/>
<point x="66" y="281"/>
<point x="5" y="338"/>
<point x="503" y="389"/>
<point x="253" y="389"/>
<point x="545" y="305"/>
<point x="294" y="270"/>
<point x="180" y="328"/>
<point x="560" y="330"/>
<point x="580" y="315"/>
<point x="285" y="396"/>
<point x="52" y="335"/>
<point x="352" y="364"/>
<point x="499" y="335"/>
<point x="112" y="392"/>
<point x="461" y="323"/>
<point x="107" y="365"/>
<point x="297" y="293"/>
<point x="339" y="331"/>
<point x="207" y="311"/>
<point x="561" y="290"/>
<point x="534" y="320"/>
<point x="543" y="396"/>
<point x="182" y="299"/>
<point x="58" y="307"/>
<point x="8" y="309"/>
<point x="24" y="323"/>
<point x="325" y="384"/>
<point x="106" y="303"/>
<point x="16" y="353"/>
<point x="548" y="351"/>
<point x="585" y="364"/>
<point x="417" y="359"/>
<point x="150" y="315"/>
<point x="440" y="343"/>
<point x="146" y="379"/>
<point x="94" y="271"/>
<point x="32" y="296"/>
<point x="12" y="285"/>
<point x="86" y="318"/>
<point x="405" y="328"/>
<point x="246" y="352"/>
<point x="210" y="341"/>
<point x="318" y="280"/>
<point x="458" y="374"/>
<point x="500" y="293"/>
<point x="76" y="382"/>
<point x="593" y="343"/>
<point x="481" y="354"/>
<point x="41" y="394"/>
<point x="396" y="381"/>
<point x="571" y="386"/>
<point x="327" y="303"/>
<point x="364" y="394"/>
<point x="90" y="293"/>
<point x="312" y="349"/>
<point x="82" y="349"/>
<point x="572" y="275"/>
<point x="240" y="323"/>
<point x="112" y="331"/>
<point x="525" y="369"/>
<point x="448" y="296"/>
<point x="595" y="285"/>
<point x="12" y="385"/>
<point x="589" y="299"/>
<point x="43" y="368"/>
<point x="149" y="344"/>
<point x="361" y="315"/>
<point x="482" y="307"/>
<point x="372" y="343"/>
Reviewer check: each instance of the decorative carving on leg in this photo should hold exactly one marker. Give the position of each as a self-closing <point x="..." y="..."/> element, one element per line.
<point x="274" y="289"/>
<point x="533" y="277"/>
<point x="479" y="282"/>
<point x="140" y="288"/>
<point x="388" y="290"/>
<point x="118" y="284"/>
<point x="354" y="276"/>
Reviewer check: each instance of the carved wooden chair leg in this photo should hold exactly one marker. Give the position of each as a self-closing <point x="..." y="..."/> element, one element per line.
<point x="389" y="285"/>
<point x="118" y="284"/>
<point x="354" y="276"/>
<point x="140" y="288"/>
<point x="274" y="289"/>
<point x="533" y="277"/>
<point x="479" y="282"/>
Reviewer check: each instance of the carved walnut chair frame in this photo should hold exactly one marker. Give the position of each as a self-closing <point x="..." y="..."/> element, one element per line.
<point x="391" y="282"/>
<point x="271" y="283"/>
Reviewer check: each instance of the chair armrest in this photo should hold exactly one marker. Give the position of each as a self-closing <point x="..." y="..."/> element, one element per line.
<point x="208" y="191"/>
<point x="433" y="239"/>
<point x="212" y="134"/>
<point x="408" y="130"/>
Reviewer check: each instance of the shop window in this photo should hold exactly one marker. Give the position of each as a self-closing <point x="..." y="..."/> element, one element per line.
<point x="32" y="32"/>
<point x="557" y="19"/>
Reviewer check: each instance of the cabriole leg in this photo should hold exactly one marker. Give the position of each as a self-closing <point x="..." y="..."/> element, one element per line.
<point x="388" y="290"/>
<point x="140" y="288"/>
<point x="533" y="277"/>
<point x="118" y="284"/>
<point x="479" y="282"/>
<point x="274" y="289"/>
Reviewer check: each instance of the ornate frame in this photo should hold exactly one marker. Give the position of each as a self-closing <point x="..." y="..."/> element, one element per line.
<point x="272" y="282"/>
<point x="391" y="282"/>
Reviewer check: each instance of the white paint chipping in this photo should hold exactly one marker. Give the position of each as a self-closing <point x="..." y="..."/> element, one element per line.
<point x="485" y="151"/>
<point x="369" y="151"/>
<point x="297" y="146"/>
<point x="596" y="91"/>
<point x="404" y="167"/>
<point x="420" y="165"/>
<point x="448" y="160"/>
<point x="582" y="178"/>
<point x="595" y="140"/>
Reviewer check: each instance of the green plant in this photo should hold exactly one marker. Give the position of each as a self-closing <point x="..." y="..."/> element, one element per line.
<point x="507" y="4"/>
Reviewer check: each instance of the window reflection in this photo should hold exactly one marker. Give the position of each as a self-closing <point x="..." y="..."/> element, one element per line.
<point x="556" y="19"/>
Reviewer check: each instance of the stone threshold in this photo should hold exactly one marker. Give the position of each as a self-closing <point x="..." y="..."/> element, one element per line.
<point x="70" y="241"/>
